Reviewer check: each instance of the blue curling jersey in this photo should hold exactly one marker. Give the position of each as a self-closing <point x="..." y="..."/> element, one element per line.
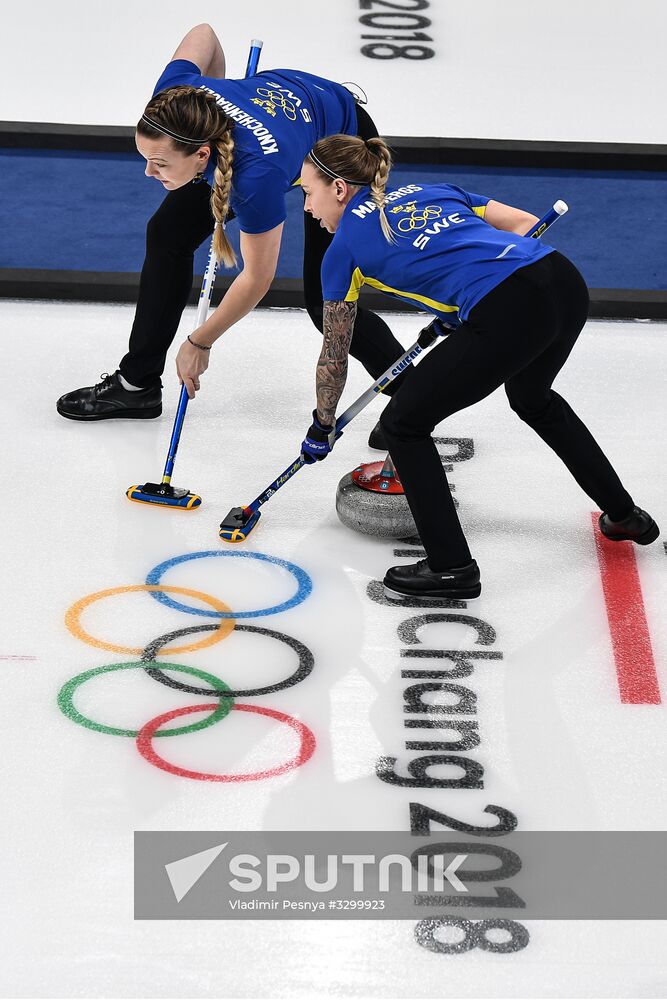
<point x="445" y="258"/>
<point x="279" y="115"/>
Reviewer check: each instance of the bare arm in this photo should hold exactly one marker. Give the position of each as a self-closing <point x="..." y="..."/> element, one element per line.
<point x="513" y="220"/>
<point x="331" y="374"/>
<point x="260" y="259"/>
<point x="201" y="46"/>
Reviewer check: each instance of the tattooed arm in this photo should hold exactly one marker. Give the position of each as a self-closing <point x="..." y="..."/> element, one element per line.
<point x="331" y="374"/>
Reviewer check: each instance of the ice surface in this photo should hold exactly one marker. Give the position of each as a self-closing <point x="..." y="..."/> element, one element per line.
<point x="557" y="745"/>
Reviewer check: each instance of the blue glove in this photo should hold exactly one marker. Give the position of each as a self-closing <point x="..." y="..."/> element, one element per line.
<point x="317" y="444"/>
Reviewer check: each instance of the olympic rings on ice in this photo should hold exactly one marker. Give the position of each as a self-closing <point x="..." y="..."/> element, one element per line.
<point x="215" y="632"/>
<point x="305" y="664"/>
<point x="304" y="584"/>
<point x="73" y="617"/>
<point x="305" y="752"/>
<point x="66" y="699"/>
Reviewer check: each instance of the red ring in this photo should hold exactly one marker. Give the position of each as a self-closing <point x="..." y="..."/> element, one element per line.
<point x="147" y="732"/>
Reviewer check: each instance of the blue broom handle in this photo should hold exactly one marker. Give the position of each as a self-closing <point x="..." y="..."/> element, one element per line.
<point x="175" y="435"/>
<point x="202" y="310"/>
<point x="541" y="226"/>
<point x="253" y="57"/>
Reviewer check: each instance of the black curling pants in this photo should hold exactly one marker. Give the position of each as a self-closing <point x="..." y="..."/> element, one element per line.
<point x="519" y="335"/>
<point x="182" y="222"/>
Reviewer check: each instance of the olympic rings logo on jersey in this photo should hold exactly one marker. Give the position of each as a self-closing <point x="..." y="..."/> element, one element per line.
<point x="224" y="698"/>
<point x="417" y="219"/>
<point x="275" y="100"/>
<point x="279" y="98"/>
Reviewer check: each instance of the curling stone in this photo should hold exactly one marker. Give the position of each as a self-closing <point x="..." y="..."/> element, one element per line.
<point x="371" y="500"/>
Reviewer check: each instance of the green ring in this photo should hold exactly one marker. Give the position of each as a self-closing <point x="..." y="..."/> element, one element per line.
<point x="66" y="696"/>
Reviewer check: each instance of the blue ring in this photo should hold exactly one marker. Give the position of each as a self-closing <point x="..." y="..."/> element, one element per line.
<point x="305" y="584"/>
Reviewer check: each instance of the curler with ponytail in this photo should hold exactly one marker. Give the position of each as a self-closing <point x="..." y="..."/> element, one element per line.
<point x="380" y="149"/>
<point x="360" y="162"/>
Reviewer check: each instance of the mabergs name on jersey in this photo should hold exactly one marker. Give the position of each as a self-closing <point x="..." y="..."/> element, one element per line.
<point x="260" y="131"/>
<point x="413" y="219"/>
<point x="366" y="207"/>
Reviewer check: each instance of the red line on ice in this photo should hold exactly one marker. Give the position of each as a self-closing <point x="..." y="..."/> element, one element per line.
<point x="630" y="637"/>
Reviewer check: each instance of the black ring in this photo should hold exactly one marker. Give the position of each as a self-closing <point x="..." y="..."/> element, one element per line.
<point x="306" y="662"/>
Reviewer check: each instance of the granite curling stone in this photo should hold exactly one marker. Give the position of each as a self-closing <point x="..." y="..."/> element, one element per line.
<point x="371" y="500"/>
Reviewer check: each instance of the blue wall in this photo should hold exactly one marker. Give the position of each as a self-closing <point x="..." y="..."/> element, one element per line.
<point x="87" y="212"/>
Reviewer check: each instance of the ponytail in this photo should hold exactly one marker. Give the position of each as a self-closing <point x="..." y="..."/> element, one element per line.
<point x="379" y="183"/>
<point x="360" y="162"/>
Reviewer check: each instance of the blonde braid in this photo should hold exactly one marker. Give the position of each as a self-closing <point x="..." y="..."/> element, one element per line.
<point x="379" y="184"/>
<point x="220" y="195"/>
<point x="167" y="101"/>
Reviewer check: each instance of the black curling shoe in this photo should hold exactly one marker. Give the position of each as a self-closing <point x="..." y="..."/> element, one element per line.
<point x="637" y="527"/>
<point x="419" y="580"/>
<point x="110" y="399"/>
<point x="376" y="439"/>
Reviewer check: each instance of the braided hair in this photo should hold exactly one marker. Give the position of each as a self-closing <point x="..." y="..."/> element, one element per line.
<point x="360" y="162"/>
<point x="194" y="115"/>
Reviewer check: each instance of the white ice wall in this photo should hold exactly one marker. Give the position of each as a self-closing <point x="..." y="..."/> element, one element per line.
<point x="578" y="70"/>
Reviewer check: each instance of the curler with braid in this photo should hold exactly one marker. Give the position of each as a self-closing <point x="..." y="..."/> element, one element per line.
<point x="191" y="118"/>
<point x="217" y="131"/>
<point x="220" y="195"/>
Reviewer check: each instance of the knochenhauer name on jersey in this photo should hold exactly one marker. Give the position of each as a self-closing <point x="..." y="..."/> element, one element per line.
<point x="259" y="130"/>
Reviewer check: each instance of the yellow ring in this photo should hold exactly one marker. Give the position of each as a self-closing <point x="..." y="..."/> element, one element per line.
<point x="73" y="615"/>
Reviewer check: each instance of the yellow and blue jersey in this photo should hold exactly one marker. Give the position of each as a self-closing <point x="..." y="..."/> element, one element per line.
<point x="445" y="257"/>
<point x="278" y="116"/>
